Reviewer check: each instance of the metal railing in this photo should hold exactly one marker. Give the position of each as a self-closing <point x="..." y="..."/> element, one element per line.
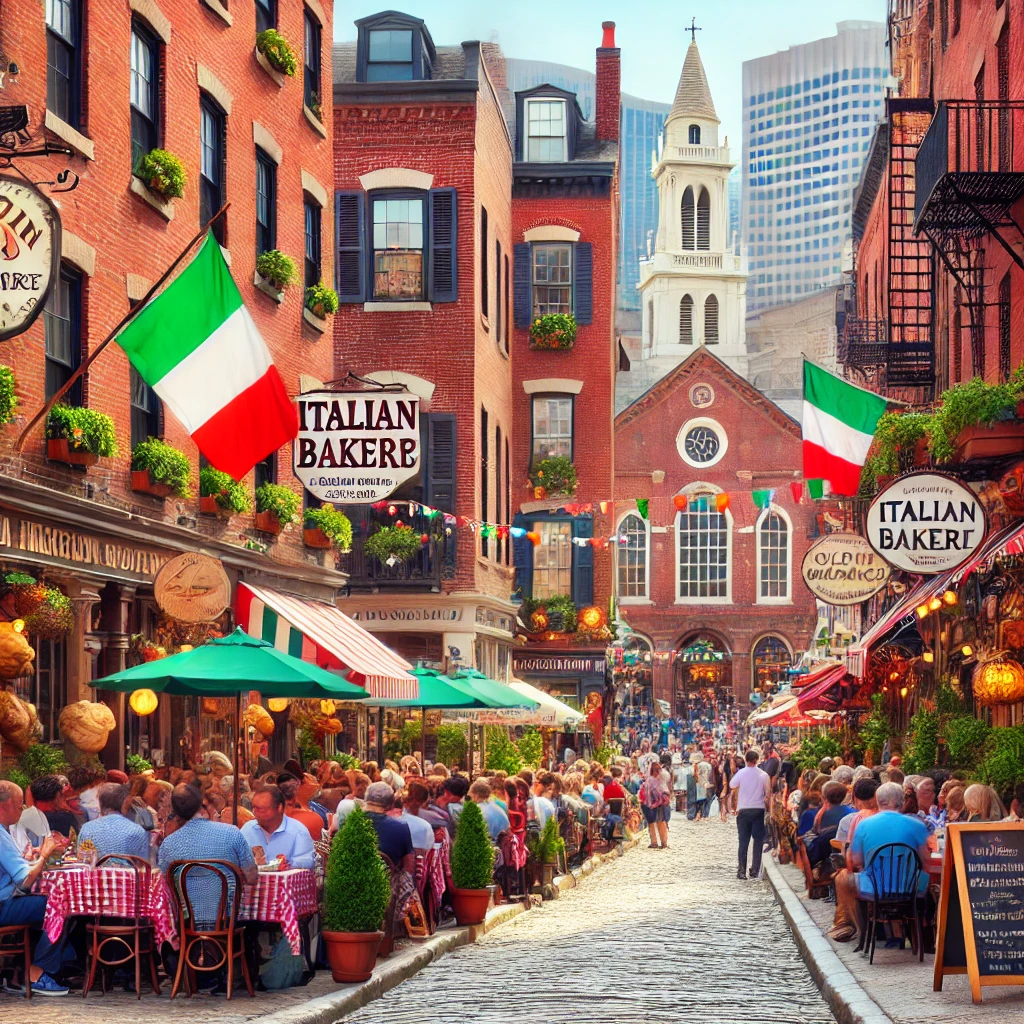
<point x="862" y="342"/>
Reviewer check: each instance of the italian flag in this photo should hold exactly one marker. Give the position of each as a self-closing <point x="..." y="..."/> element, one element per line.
<point x="198" y="348"/>
<point x="838" y="428"/>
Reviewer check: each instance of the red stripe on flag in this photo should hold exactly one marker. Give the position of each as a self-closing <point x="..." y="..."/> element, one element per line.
<point x="251" y="426"/>
<point x="819" y="463"/>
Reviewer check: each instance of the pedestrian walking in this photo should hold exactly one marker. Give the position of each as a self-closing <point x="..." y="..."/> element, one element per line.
<point x="655" y="802"/>
<point x="753" y="788"/>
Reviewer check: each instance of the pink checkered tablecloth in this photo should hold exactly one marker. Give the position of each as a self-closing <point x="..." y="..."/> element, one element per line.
<point x="281" y="897"/>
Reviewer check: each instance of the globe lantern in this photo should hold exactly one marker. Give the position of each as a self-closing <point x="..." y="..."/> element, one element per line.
<point x="143" y="702"/>
<point x="999" y="682"/>
<point x="278" y="704"/>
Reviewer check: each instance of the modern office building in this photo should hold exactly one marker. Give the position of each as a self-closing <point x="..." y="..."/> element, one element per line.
<point x="641" y="128"/>
<point x="808" y="114"/>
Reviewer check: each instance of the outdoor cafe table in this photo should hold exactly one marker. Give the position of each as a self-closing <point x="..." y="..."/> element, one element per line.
<point x="283" y="898"/>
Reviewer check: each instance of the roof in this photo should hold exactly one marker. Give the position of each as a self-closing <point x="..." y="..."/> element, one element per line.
<point x="871" y="176"/>
<point x="693" y="97"/>
<point x="449" y="66"/>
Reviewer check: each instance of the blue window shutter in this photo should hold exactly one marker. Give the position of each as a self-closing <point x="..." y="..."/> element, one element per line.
<point x="444" y="269"/>
<point x="523" y="292"/>
<point x="348" y="230"/>
<point x="440" y="456"/>
<point x="522" y="558"/>
<point x="584" y="304"/>
<point x="582" y="563"/>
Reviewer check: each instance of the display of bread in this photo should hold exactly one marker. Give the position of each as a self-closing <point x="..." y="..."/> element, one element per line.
<point x="87" y="725"/>
<point x="259" y="718"/>
<point x="19" y="725"/>
<point x="16" y="654"/>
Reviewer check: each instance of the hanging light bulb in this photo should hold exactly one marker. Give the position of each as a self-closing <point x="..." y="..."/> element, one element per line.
<point x="949" y="597"/>
<point x="935" y="604"/>
<point x="327" y="708"/>
<point x="928" y="657"/>
<point x="922" y="610"/>
<point x="967" y="650"/>
<point x="18" y="625"/>
<point x="903" y="692"/>
<point x="278" y="704"/>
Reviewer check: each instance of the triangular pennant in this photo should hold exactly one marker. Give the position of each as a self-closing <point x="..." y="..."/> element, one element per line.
<point x="797" y="489"/>
<point x="643" y="506"/>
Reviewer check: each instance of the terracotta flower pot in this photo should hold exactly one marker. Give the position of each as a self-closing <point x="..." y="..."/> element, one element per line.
<point x="1004" y="437"/>
<point x="143" y="483"/>
<point x="58" y="450"/>
<point x="208" y="507"/>
<point x="470" y="905"/>
<point x="267" y="522"/>
<point x="314" y="537"/>
<point x="351" y="955"/>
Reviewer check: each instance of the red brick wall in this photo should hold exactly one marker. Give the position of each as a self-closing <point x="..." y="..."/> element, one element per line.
<point x="763" y="452"/>
<point x="131" y="238"/>
<point x="608" y="98"/>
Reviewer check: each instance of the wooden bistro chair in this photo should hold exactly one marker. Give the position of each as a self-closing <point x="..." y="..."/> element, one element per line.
<point x="16" y="941"/>
<point x="224" y="933"/>
<point x="895" y="872"/>
<point x="114" y="941"/>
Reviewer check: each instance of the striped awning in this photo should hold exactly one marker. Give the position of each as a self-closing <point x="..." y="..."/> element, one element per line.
<point x="323" y="634"/>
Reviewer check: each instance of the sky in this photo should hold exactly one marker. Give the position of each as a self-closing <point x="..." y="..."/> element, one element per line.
<point x="651" y="35"/>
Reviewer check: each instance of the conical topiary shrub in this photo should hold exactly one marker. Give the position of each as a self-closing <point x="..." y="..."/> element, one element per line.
<point x="472" y="861"/>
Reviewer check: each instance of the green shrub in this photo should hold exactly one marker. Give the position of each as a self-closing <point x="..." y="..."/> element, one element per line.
<point x="531" y="746"/>
<point x="42" y="759"/>
<point x="969" y="404"/>
<point x="876" y="728"/>
<point x="230" y="495"/>
<point x="472" y="856"/>
<point x="8" y="398"/>
<point x="603" y="755"/>
<point x="892" y="449"/>
<point x="282" y="501"/>
<point x="163" y="172"/>
<point x="502" y="754"/>
<point x="553" y="331"/>
<point x="451" y="745"/>
<point x="966" y="739"/>
<point x="322" y="297"/>
<point x="14" y="774"/>
<point x="921" y="752"/>
<point x="411" y="735"/>
<point x="401" y="542"/>
<point x="86" y="430"/>
<point x="347" y="761"/>
<point x="557" y="475"/>
<point x="166" y="465"/>
<point x="357" y="884"/>
<point x="547" y="844"/>
<point x="309" y="749"/>
<point x="276" y="268"/>
<point x="1003" y="764"/>
<point x="332" y="523"/>
<point x="280" y="56"/>
<point x="814" y="748"/>
<point x="135" y="764"/>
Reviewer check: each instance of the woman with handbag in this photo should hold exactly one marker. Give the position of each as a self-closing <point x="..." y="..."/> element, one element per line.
<point x="655" y="800"/>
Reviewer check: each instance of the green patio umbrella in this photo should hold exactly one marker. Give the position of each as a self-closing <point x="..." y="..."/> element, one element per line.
<point x="438" y="691"/>
<point x="502" y="695"/>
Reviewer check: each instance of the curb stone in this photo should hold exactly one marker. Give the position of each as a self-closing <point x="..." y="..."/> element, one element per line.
<point x="841" y="990"/>
<point x="407" y="963"/>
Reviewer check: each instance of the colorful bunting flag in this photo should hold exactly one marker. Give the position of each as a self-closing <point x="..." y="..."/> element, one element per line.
<point x="643" y="506"/>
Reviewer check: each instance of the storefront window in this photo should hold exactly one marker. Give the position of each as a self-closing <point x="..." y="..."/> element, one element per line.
<point x="48" y="687"/>
<point x="552" y="560"/>
<point x="770" y="660"/>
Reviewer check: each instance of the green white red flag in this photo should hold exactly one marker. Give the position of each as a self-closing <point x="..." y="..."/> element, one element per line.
<point x="839" y="422"/>
<point x="198" y="348"/>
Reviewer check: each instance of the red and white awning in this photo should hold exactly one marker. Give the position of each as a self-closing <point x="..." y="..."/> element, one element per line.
<point x="323" y="634"/>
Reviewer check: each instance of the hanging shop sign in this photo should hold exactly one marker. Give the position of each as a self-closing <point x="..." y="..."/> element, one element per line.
<point x="357" y="447"/>
<point x="557" y="664"/>
<point x="842" y="569"/>
<point x="193" y="587"/>
<point x="926" y="523"/>
<point x="29" y="254"/>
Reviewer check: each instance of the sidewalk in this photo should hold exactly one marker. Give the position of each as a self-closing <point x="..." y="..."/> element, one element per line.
<point x="896" y="987"/>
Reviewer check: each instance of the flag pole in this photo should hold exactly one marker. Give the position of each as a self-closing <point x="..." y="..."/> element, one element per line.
<point x="121" y="324"/>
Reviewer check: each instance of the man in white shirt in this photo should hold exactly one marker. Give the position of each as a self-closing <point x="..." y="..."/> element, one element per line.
<point x="753" y="788"/>
<point x="272" y="833"/>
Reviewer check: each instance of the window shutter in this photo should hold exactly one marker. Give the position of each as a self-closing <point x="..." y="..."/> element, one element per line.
<point x="522" y="287"/>
<point x="582" y="563"/>
<point x="704" y="220"/>
<point x="522" y="558"/>
<point x="444" y="271"/>
<point x="351" y="269"/>
<point x="711" y="320"/>
<point x="440" y="456"/>
<point x="688" y="237"/>
<point x="584" y="304"/>
<point x="686" y="320"/>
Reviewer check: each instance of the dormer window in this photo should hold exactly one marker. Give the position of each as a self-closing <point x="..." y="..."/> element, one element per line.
<point x="694" y="134"/>
<point x="390" y="56"/>
<point x="546" y="135"/>
<point x="393" y="47"/>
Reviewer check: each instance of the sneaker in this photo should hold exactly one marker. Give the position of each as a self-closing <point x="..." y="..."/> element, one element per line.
<point x="741" y="875"/>
<point x="45" y="986"/>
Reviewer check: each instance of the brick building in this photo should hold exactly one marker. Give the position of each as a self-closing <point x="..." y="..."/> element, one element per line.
<point x="692" y="573"/>
<point x="111" y="81"/>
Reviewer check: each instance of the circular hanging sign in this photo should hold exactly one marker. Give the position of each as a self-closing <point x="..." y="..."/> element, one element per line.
<point x="926" y="523"/>
<point x="842" y="569"/>
<point x="192" y="588"/>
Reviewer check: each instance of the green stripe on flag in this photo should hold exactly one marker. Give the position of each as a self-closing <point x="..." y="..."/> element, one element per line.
<point x="183" y="316"/>
<point x="295" y="643"/>
<point x="857" y="408"/>
<point x="269" y="630"/>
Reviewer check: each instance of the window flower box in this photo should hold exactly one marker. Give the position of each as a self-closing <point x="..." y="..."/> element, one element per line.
<point x="59" y="450"/>
<point x="160" y="469"/>
<point x="78" y="436"/>
<point x="143" y="483"/>
<point x="276" y="507"/>
<point x="221" y="496"/>
<point x="553" y="476"/>
<point x="555" y="332"/>
<point x="267" y="522"/>
<point x="314" y="537"/>
<point x="326" y="527"/>
<point x="1004" y="437"/>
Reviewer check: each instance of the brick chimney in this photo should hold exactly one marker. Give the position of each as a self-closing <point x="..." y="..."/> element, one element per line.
<point x="607" y="86"/>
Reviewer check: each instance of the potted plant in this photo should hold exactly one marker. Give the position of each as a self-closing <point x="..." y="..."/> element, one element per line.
<point x="545" y="849"/>
<point x="553" y="331"/>
<point x="280" y="56"/>
<point x="221" y="496"/>
<point x="53" y="617"/>
<point x="393" y="544"/>
<point x="8" y="397"/>
<point x="158" y="468"/>
<point x="357" y="891"/>
<point x="472" y="862"/>
<point x="277" y="269"/>
<point x="977" y="420"/>
<point x="326" y="527"/>
<point x="276" y="507"/>
<point x="78" y="436"/>
<point x="314" y="107"/>
<point x="554" y="475"/>
<point x="163" y="172"/>
<point x="321" y="301"/>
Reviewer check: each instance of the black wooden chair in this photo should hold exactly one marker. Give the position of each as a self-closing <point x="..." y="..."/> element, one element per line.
<point x="16" y="941"/>
<point x="895" y="873"/>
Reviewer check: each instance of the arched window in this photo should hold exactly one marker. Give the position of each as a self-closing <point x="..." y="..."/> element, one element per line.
<point x="704" y="548"/>
<point x="711" y="320"/>
<point x="769" y="660"/>
<point x="773" y="556"/>
<point x="703" y="220"/>
<point x="686" y="320"/>
<point x="631" y="557"/>
<point x="694" y="134"/>
<point x="688" y="221"/>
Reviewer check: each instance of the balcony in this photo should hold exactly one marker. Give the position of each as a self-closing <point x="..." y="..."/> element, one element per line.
<point x="699" y="154"/>
<point x="434" y="562"/>
<point x="862" y="343"/>
<point x="699" y="262"/>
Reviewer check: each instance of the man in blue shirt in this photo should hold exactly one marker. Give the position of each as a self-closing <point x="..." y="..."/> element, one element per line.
<point x="112" y="832"/>
<point x="17" y="876"/>
<point x="275" y="834"/>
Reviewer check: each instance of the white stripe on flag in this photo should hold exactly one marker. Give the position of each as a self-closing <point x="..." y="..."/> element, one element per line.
<point x="255" y="624"/>
<point x="832" y="434"/>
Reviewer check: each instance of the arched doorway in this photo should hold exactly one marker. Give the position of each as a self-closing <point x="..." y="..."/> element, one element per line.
<point x="769" y="659"/>
<point x="703" y="674"/>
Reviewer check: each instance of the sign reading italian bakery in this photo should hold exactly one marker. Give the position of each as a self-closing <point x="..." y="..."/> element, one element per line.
<point x="29" y="254"/>
<point x="842" y="569"/>
<point x="926" y="523"/>
<point x="193" y="587"/>
<point x="356" y="447"/>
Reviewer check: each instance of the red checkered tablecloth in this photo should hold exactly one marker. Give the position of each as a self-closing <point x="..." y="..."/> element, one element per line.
<point x="281" y="897"/>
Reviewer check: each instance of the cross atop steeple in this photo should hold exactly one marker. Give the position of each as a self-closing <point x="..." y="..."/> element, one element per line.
<point x="693" y="29"/>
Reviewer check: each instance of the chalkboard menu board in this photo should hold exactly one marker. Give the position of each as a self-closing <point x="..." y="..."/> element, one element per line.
<point x="981" y="906"/>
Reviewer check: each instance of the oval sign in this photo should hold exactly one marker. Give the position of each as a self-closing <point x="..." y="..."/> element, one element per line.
<point x="926" y="523"/>
<point x="842" y="569"/>
<point x="192" y="587"/>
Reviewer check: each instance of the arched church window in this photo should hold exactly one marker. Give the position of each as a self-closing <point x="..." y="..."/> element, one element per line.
<point x="694" y="134"/>
<point x="711" y="320"/>
<point x="688" y="219"/>
<point x="686" y="320"/>
<point x="704" y="220"/>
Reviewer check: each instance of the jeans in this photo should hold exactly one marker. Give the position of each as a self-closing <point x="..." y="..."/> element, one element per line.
<point x="30" y="910"/>
<point x="750" y="824"/>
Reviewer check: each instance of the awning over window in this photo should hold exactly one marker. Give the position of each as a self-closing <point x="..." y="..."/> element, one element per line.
<point x="324" y="635"/>
<point x="828" y="693"/>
